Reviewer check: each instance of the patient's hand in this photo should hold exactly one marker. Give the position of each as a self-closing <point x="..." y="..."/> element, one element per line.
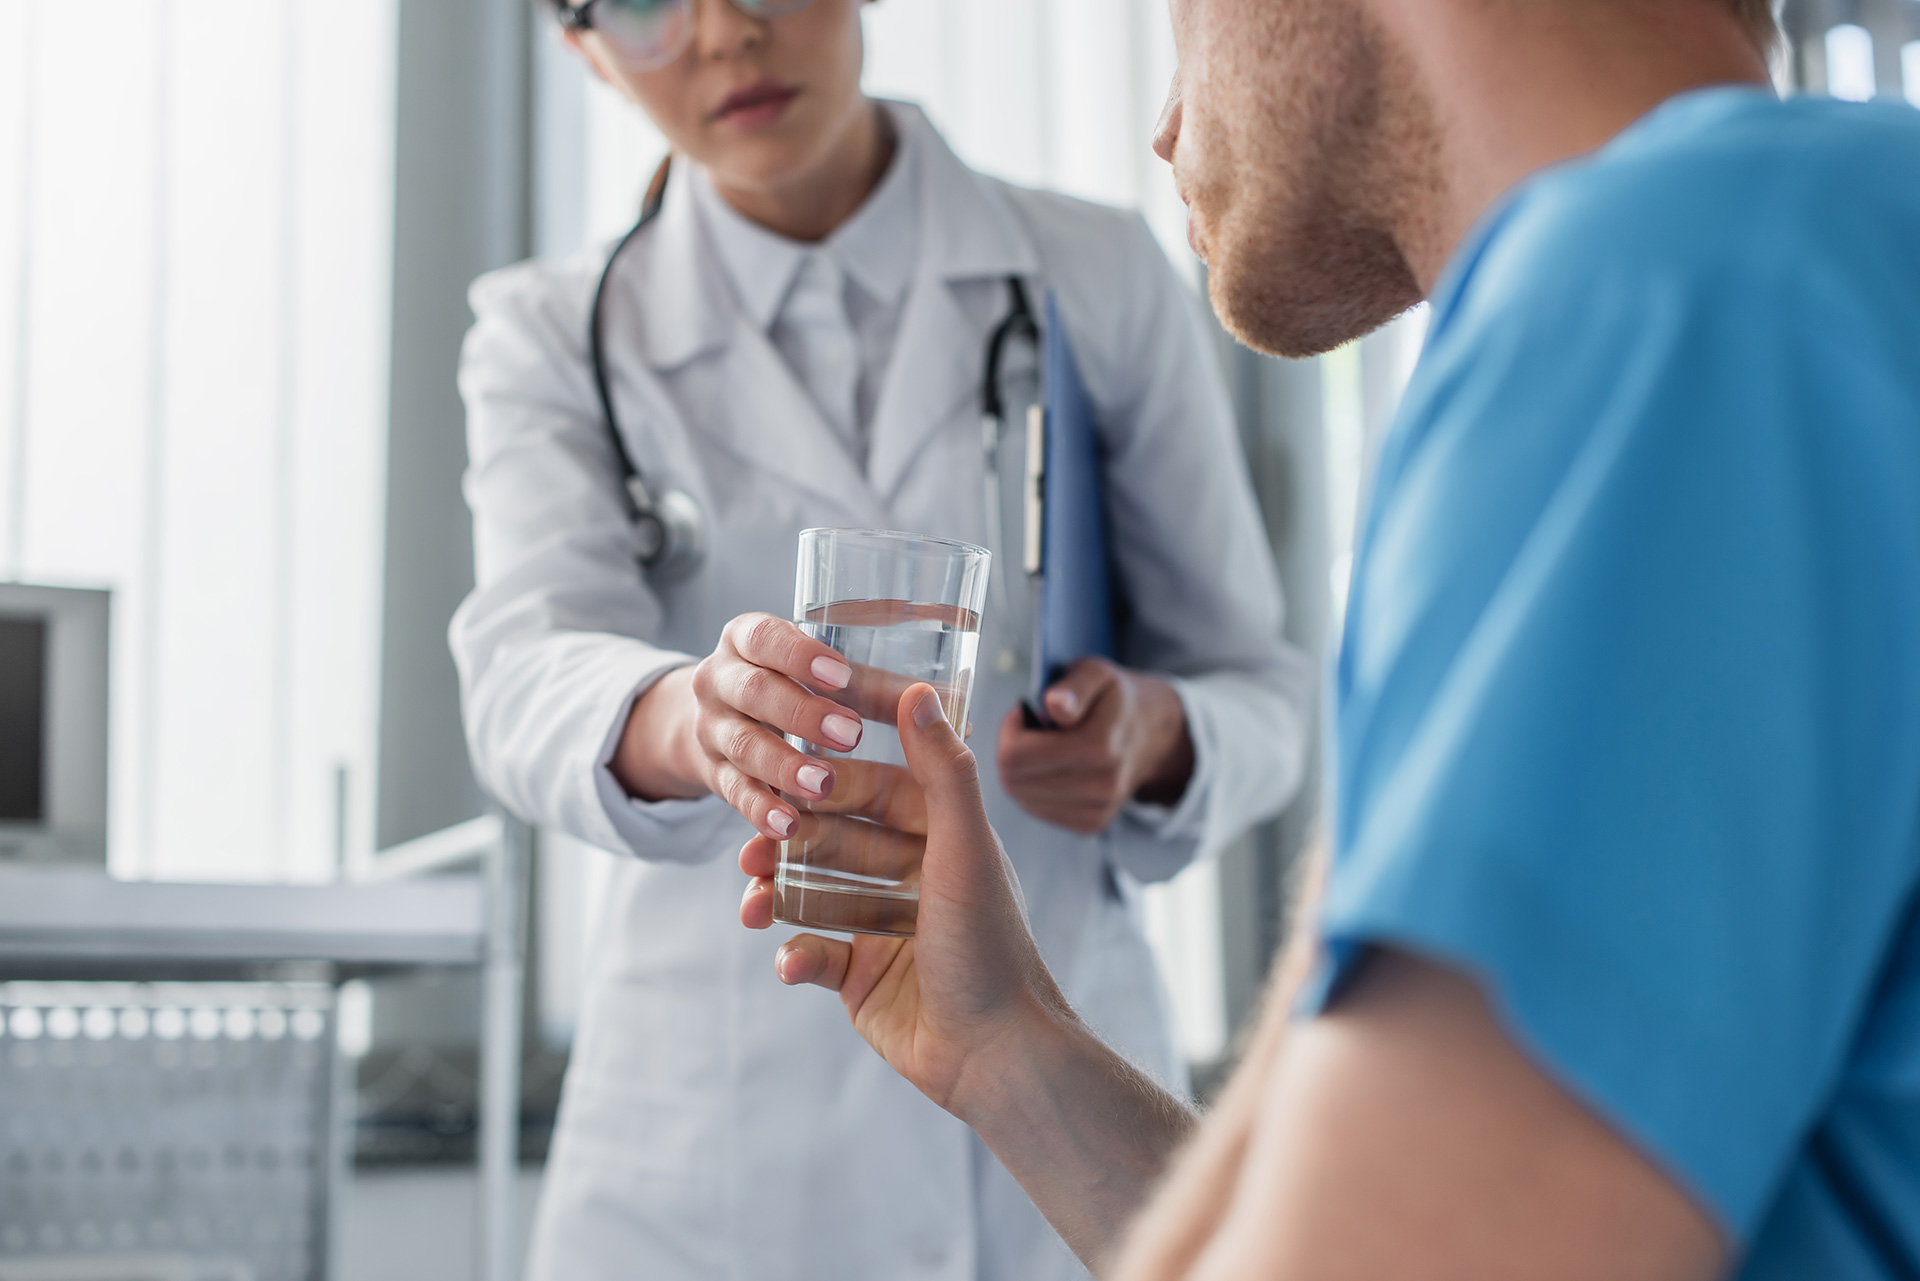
<point x="966" y="1010"/>
<point x="936" y="1005"/>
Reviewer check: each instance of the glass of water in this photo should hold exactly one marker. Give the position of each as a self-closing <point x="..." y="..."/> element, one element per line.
<point x="900" y="608"/>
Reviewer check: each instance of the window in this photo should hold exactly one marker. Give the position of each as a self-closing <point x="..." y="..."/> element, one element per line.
<point x="195" y="214"/>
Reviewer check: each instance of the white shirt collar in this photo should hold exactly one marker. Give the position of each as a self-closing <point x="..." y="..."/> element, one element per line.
<point x="876" y="247"/>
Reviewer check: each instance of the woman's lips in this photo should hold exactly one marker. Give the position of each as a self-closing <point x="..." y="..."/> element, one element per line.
<point x="757" y="105"/>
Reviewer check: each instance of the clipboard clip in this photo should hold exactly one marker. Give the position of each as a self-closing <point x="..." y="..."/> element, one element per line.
<point x="1036" y="491"/>
<point x="1034" y="558"/>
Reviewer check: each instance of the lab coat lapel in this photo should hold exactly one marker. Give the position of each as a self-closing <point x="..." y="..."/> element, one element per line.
<point x="968" y="231"/>
<point x="687" y="312"/>
<point x="773" y="424"/>
<point x="932" y="374"/>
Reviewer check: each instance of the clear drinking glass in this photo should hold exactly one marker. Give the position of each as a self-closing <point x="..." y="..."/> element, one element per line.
<point x="900" y="608"/>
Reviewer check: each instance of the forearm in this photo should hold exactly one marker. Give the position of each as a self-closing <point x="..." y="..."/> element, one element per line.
<point x="1086" y="1134"/>
<point x="1187" y="1212"/>
<point x="655" y="756"/>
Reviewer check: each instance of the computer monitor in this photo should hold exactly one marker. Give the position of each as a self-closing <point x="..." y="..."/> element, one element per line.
<point x="53" y="724"/>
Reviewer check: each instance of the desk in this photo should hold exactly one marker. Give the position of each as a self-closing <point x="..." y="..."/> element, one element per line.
<point x="84" y="924"/>
<point x="74" y="925"/>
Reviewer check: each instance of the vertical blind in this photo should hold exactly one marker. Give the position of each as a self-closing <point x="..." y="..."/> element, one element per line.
<point x="1852" y="49"/>
<point x="195" y="213"/>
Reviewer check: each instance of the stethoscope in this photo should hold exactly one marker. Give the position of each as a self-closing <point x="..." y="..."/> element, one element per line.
<point x="669" y="524"/>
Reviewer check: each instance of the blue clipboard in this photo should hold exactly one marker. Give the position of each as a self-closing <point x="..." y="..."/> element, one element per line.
<point x="1066" y="521"/>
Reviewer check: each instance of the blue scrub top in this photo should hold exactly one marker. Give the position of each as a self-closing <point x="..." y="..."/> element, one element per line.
<point x="1629" y="700"/>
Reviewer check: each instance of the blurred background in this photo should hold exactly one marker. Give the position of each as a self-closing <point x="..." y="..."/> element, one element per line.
<point x="234" y="247"/>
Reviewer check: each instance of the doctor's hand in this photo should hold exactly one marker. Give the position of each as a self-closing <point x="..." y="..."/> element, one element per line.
<point x="718" y="727"/>
<point x="1120" y="735"/>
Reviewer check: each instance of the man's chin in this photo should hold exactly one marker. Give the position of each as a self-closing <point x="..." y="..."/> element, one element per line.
<point x="1308" y="308"/>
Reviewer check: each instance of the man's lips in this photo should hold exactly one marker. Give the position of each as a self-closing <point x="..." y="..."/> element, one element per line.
<point x="1194" y="240"/>
<point x="760" y="103"/>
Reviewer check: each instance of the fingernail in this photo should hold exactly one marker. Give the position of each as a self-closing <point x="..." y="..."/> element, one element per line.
<point x="831" y="672"/>
<point x="780" y="964"/>
<point x="927" y="711"/>
<point x="1067" y="702"/>
<point x="781" y="821"/>
<point x="814" y="779"/>
<point x="843" y="730"/>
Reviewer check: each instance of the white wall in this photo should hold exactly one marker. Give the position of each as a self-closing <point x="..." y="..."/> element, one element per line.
<point x="194" y="220"/>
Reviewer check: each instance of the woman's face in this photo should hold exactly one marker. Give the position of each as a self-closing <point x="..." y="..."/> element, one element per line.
<point x="758" y="101"/>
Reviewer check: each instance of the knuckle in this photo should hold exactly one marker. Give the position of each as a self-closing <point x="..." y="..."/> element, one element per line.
<point x="742" y="794"/>
<point x="763" y="632"/>
<point x="738" y="741"/>
<point x="964" y="768"/>
<point x="756" y="686"/>
<point x="704" y="679"/>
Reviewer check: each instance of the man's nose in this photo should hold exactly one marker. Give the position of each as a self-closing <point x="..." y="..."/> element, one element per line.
<point x="1166" y="131"/>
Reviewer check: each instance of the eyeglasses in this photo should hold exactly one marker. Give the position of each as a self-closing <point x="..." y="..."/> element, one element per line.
<point x="649" y="34"/>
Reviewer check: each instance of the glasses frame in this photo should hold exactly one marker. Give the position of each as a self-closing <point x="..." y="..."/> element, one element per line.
<point x="579" y="17"/>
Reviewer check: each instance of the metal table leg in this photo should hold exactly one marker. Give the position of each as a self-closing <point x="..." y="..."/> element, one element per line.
<point x="500" y="1045"/>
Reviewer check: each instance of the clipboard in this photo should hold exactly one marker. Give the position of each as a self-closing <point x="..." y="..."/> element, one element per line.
<point x="1066" y="521"/>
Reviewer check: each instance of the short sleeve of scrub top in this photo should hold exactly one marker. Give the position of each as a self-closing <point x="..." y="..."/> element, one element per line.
<point x="1629" y="696"/>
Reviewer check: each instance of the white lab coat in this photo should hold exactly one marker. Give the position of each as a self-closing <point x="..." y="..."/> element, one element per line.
<point x="714" y="1123"/>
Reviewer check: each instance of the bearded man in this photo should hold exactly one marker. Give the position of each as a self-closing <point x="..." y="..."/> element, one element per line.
<point x="1617" y="972"/>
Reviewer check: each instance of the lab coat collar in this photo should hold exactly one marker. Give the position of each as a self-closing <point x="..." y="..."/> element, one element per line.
<point x="880" y="244"/>
<point x="877" y="247"/>
<point x="759" y="264"/>
<point x="687" y="308"/>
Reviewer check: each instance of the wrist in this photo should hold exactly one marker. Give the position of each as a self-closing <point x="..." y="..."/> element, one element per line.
<point x="654" y="760"/>
<point x="1084" y="1132"/>
<point x="1171" y="759"/>
<point x="1021" y="1063"/>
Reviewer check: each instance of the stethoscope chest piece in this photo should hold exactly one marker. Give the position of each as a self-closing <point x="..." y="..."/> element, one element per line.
<point x="671" y="531"/>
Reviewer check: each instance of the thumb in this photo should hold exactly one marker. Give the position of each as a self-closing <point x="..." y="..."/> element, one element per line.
<point x="939" y="761"/>
<point x="1069" y="698"/>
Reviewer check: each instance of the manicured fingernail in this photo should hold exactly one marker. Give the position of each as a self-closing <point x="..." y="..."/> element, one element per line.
<point x="1066" y="702"/>
<point x="927" y="711"/>
<point x="843" y="730"/>
<point x="781" y="821"/>
<point x="831" y="672"/>
<point x="813" y="778"/>
<point x="780" y="960"/>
